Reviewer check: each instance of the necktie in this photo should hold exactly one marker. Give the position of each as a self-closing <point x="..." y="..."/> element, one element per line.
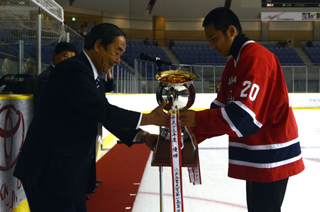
<point x="97" y="82"/>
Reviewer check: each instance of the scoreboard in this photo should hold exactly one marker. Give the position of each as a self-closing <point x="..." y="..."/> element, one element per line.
<point x="290" y="3"/>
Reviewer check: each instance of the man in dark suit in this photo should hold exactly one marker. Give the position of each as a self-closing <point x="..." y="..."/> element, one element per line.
<point x="62" y="51"/>
<point x="58" y="152"/>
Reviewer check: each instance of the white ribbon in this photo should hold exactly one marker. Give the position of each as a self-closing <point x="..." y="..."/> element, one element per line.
<point x="194" y="172"/>
<point x="176" y="160"/>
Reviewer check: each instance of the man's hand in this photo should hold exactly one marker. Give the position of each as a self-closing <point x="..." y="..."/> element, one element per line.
<point x="187" y="118"/>
<point x="157" y="117"/>
<point x="148" y="139"/>
<point x="109" y="74"/>
<point x="151" y="141"/>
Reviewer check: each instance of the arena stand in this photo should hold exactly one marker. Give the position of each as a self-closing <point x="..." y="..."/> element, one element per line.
<point x="287" y="55"/>
<point x="135" y="48"/>
<point x="312" y="52"/>
<point x="201" y="53"/>
<point x="197" y="53"/>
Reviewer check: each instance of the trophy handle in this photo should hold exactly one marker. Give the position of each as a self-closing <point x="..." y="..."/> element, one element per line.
<point x="160" y="88"/>
<point x="168" y="106"/>
<point x="192" y="95"/>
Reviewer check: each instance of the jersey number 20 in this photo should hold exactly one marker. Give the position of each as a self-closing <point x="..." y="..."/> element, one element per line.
<point x="254" y="90"/>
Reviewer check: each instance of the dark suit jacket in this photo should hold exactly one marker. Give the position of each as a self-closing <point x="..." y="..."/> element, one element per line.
<point x="109" y="85"/>
<point x="59" y="147"/>
<point x="40" y="83"/>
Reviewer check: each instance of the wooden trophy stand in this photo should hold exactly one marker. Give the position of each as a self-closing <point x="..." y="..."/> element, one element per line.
<point x="162" y="154"/>
<point x="162" y="157"/>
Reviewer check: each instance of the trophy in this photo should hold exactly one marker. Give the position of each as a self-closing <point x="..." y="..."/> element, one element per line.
<point x="176" y="87"/>
<point x="176" y="146"/>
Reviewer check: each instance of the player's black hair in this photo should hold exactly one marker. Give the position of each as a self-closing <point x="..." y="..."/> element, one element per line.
<point x="64" y="46"/>
<point x="222" y="18"/>
<point x="106" y="32"/>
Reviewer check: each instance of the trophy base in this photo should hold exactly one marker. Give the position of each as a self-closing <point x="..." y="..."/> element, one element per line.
<point x="162" y="154"/>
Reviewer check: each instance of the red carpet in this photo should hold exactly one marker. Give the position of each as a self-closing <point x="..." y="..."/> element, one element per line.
<point x="121" y="171"/>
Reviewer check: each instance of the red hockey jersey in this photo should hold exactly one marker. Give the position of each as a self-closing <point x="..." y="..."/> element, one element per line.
<point x="252" y="107"/>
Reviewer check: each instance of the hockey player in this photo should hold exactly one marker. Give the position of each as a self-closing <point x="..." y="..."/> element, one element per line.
<point x="252" y="107"/>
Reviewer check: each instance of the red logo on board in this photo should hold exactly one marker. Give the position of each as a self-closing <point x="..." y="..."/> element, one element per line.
<point x="12" y="131"/>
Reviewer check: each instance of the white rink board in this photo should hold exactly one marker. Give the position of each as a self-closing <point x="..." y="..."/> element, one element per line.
<point x="147" y="102"/>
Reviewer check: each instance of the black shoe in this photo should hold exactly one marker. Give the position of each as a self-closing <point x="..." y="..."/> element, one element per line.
<point x="87" y="197"/>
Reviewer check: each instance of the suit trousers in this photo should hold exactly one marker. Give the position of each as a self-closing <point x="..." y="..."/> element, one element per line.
<point x="40" y="200"/>
<point x="266" y="197"/>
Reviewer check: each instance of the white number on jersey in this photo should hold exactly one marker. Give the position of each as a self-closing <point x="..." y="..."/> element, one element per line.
<point x="253" y="91"/>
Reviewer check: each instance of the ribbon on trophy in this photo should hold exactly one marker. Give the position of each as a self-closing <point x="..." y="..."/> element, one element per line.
<point x="176" y="160"/>
<point x="194" y="172"/>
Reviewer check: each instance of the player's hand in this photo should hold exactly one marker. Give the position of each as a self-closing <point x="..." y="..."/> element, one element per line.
<point x="187" y="118"/>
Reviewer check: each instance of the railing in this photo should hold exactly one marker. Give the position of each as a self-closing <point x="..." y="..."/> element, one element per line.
<point x="126" y="81"/>
<point x="299" y="79"/>
<point x="302" y="79"/>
